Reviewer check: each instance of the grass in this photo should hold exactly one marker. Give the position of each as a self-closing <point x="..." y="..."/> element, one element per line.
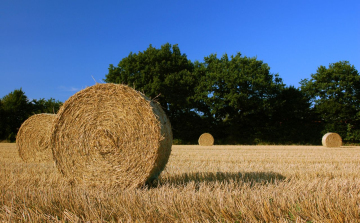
<point x="199" y="184"/>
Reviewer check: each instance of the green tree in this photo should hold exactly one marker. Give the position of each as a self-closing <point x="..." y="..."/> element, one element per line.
<point x="292" y="119"/>
<point x="164" y="75"/>
<point x="16" y="109"/>
<point x="335" y="94"/>
<point x="238" y="92"/>
<point x="2" y="121"/>
<point x="45" y="106"/>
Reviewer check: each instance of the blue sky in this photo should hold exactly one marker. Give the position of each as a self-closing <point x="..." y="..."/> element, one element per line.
<point x="52" y="49"/>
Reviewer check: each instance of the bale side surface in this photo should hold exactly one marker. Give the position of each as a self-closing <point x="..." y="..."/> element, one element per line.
<point x="111" y="135"/>
<point x="33" y="138"/>
<point x="206" y="139"/>
<point x="331" y="139"/>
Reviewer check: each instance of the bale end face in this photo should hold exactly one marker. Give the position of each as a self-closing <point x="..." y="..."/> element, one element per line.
<point x="33" y="138"/>
<point x="111" y="135"/>
<point x="206" y="139"/>
<point x="331" y="139"/>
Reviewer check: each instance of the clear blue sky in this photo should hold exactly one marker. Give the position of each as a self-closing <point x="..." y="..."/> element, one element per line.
<point x="51" y="49"/>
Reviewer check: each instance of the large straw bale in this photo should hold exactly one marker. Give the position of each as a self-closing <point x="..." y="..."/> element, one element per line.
<point x="111" y="135"/>
<point x="206" y="139"/>
<point x="33" y="138"/>
<point x="331" y="139"/>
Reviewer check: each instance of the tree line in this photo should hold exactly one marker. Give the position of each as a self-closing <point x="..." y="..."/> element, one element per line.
<point x="239" y="101"/>
<point x="235" y="98"/>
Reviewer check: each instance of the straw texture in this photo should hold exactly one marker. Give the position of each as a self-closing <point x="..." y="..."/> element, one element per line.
<point x="33" y="138"/>
<point x="111" y="135"/>
<point x="331" y="139"/>
<point x="206" y="139"/>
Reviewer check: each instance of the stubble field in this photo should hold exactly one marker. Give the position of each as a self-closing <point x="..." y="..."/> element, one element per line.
<point x="199" y="184"/>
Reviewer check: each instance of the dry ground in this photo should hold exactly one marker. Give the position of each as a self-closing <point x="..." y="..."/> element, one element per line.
<point x="199" y="184"/>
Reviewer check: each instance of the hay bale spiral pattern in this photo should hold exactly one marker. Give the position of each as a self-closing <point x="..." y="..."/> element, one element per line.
<point x="111" y="135"/>
<point x="33" y="138"/>
<point x="206" y="139"/>
<point x="331" y="139"/>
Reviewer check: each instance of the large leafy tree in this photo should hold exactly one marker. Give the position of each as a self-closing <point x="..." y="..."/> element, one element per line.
<point x="165" y="75"/>
<point x="2" y="121"/>
<point x="292" y="119"/>
<point x="335" y="93"/>
<point x="238" y="92"/>
<point x="16" y="109"/>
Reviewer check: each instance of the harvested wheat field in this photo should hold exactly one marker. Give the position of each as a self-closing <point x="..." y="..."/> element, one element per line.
<point x="199" y="184"/>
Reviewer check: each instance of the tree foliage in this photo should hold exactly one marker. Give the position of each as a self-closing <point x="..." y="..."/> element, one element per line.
<point x="164" y="75"/>
<point x="238" y="99"/>
<point x="2" y="121"/>
<point x="238" y="92"/>
<point x="15" y="108"/>
<point x="235" y="98"/>
<point x="292" y="119"/>
<point x="45" y="106"/>
<point x="335" y="96"/>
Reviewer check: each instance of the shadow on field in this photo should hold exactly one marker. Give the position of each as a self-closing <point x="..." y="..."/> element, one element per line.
<point x="220" y="177"/>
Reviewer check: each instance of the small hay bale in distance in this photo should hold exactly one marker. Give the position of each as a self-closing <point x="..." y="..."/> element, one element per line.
<point x="111" y="135"/>
<point x="331" y="139"/>
<point x="206" y="139"/>
<point x="33" y="138"/>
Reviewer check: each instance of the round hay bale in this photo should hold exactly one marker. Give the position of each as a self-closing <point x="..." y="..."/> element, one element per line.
<point x="206" y="139"/>
<point x="111" y="135"/>
<point x="331" y="139"/>
<point x="33" y="138"/>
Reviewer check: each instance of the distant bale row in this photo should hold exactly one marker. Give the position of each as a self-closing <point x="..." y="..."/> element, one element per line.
<point x="111" y="135"/>
<point x="33" y="138"/>
<point x="328" y="140"/>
